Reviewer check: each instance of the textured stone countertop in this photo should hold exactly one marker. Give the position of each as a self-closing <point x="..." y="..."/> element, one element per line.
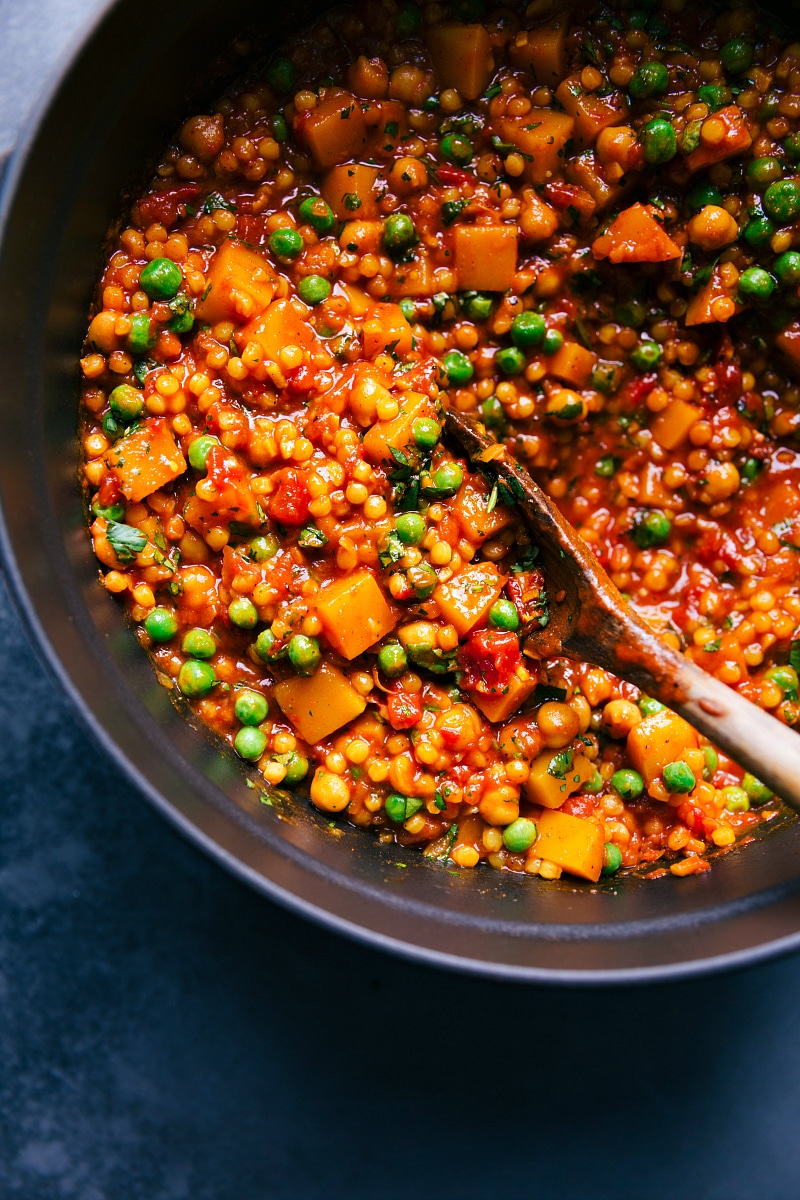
<point x="166" y="1034"/>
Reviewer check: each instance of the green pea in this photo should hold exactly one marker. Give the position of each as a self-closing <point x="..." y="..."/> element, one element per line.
<point x="791" y="145"/>
<point x="250" y="707"/>
<point x="651" y="79"/>
<point x="678" y="778"/>
<point x="711" y="762"/>
<point x="648" y="706"/>
<point x="736" y="56"/>
<point x="594" y="785"/>
<point x="281" y="75"/>
<point x="503" y="615"/>
<point x="756" y="284"/>
<point x="304" y="654"/>
<point x="756" y="791"/>
<point x="631" y="313"/>
<point x="761" y="171"/>
<point x="448" y="478"/>
<point x="715" y="96"/>
<point x="758" y="231"/>
<point x="785" y="677"/>
<point x="456" y="149"/>
<point x="161" y="624"/>
<point x="612" y="859"/>
<point x="769" y="106"/>
<point x="392" y="659"/>
<point x="528" y="329"/>
<point x="659" y="143"/>
<point x="285" y="244"/>
<point x="426" y="433"/>
<point x="200" y="449"/>
<point x="313" y="289"/>
<point x="296" y="768"/>
<point x="553" y="341"/>
<point x="265" y="644"/>
<point x="243" y="613"/>
<point x="493" y="414"/>
<point x="423" y="580"/>
<point x="510" y="360"/>
<point x="647" y="355"/>
<point x="262" y="548"/>
<point x="479" y="307"/>
<point x="196" y="679"/>
<point x="161" y="279"/>
<point x="250" y="743"/>
<point x="400" y="808"/>
<point x="519" y="835"/>
<point x="126" y="402"/>
<point x="605" y="377"/>
<point x="408" y="19"/>
<point x="411" y="528"/>
<point x="198" y="643"/>
<point x="782" y="200"/>
<point x="606" y="467"/>
<point x="398" y="233"/>
<point x="182" y="322"/>
<point x="652" y="529"/>
<point x="736" y="799"/>
<point x="280" y="130"/>
<point x="702" y="194"/>
<point x="628" y="784"/>
<point x="141" y="337"/>
<point x="751" y="468"/>
<point x="787" y="268"/>
<point x="314" y="211"/>
<point x="408" y="308"/>
<point x="458" y="368"/>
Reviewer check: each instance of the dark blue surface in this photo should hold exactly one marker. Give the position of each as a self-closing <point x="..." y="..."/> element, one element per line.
<point x="165" y="1034"/>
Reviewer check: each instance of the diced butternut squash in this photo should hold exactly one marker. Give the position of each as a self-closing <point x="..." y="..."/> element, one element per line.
<point x="146" y="459"/>
<point x="671" y="426"/>
<point x="714" y="301"/>
<point x="500" y="707"/>
<point x="232" y="498"/>
<point x="334" y="131"/>
<point x="461" y="56"/>
<point x="636" y="236"/>
<point x="354" y="613"/>
<point x="586" y="173"/>
<point x="572" y="363"/>
<point x="239" y="286"/>
<point x="320" y="704"/>
<point x="789" y="342"/>
<point x="350" y="190"/>
<point x="397" y="432"/>
<point x="554" y="777"/>
<point x="466" y="599"/>
<point x="574" y="843"/>
<point x="592" y="113"/>
<point x="414" y="278"/>
<point x="658" y="740"/>
<point x="486" y="257"/>
<point x="386" y="330"/>
<point x="471" y="509"/>
<point x="731" y="123"/>
<point x="281" y="325"/>
<point x="543" y="50"/>
<point x="540" y="136"/>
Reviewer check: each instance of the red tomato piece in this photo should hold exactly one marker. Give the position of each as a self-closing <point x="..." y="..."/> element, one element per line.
<point x="289" y="504"/>
<point x="405" y="709"/>
<point x="452" y="176"/>
<point x="488" y="660"/>
<point x="165" y="207"/>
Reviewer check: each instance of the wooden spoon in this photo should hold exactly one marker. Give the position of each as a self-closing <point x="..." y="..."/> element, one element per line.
<point x="590" y="621"/>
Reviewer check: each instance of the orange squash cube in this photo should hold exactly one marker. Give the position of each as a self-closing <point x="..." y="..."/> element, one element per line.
<point x="462" y="57"/>
<point x="486" y="257"/>
<point x="636" y="236"/>
<point x="239" y="285"/>
<point x="334" y="131"/>
<point x="386" y="330"/>
<point x="281" y="325"/>
<point x="319" y="704"/>
<point x="350" y="190"/>
<point x="500" y="707"/>
<point x="471" y="509"/>
<point x="554" y="777"/>
<point x="540" y="136"/>
<point x="146" y="459"/>
<point x="543" y="50"/>
<point x="414" y="278"/>
<point x="466" y="598"/>
<point x="714" y="301"/>
<point x="354" y="613"/>
<point x="671" y="426"/>
<point x="592" y="113"/>
<point x="737" y="138"/>
<point x="658" y="740"/>
<point x="572" y="363"/>
<point x="573" y="843"/>
<point x="398" y="431"/>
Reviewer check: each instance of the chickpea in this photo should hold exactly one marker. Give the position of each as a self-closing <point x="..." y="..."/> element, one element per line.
<point x="199" y="586"/>
<point x="410" y="84"/>
<point x="619" y="717"/>
<point x="459" y="727"/>
<point x="720" y="482"/>
<point x="537" y="220"/>
<point x="203" y="136"/>
<point x="102" y="332"/>
<point x="368" y="77"/>
<point x="407" y="175"/>
<point x="558" y="724"/>
<point x="712" y="228"/>
<point x="566" y="406"/>
<point x="329" y="792"/>
<point x="521" y="738"/>
<point x="499" y="805"/>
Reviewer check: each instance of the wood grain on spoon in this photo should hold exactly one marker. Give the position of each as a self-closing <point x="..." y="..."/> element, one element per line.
<point x="592" y="622"/>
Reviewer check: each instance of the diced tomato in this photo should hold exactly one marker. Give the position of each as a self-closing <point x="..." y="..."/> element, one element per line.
<point x="729" y="382"/>
<point x="691" y="816"/>
<point x="108" y="493"/>
<point x="230" y="478"/>
<point x="250" y="229"/>
<point x="289" y="504"/>
<point x="564" y="196"/>
<point x="452" y="176"/>
<point x="579" y="806"/>
<point x="488" y="660"/>
<point x="165" y="207"/>
<point x="637" y="389"/>
<point x="405" y="709"/>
